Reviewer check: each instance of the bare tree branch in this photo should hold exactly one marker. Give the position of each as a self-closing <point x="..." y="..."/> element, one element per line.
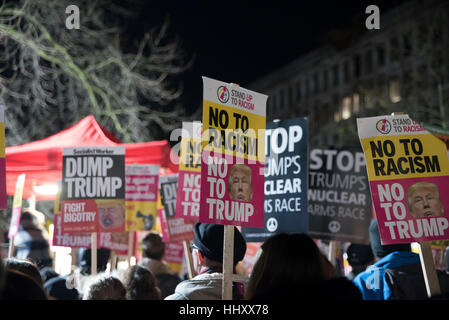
<point x="48" y="72"/>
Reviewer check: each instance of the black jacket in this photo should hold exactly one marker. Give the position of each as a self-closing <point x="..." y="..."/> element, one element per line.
<point x="407" y="282"/>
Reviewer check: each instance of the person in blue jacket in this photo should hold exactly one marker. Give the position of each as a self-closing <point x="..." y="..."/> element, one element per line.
<point x="375" y="282"/>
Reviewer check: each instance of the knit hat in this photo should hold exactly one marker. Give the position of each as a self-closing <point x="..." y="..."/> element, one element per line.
<point x="209" y="241"/>
<point x="379" y="250"/>
<point x="56" y="287"/>
<point x="85" y="262"/>
<point x="359" y="254"/>
<point x="48" y="273"/>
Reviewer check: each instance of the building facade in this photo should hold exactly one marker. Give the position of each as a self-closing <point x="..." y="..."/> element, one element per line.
<point x="401" y="67"/>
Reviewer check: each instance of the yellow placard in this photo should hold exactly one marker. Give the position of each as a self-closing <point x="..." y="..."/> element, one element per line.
<point x="227" y="131"/>
<point x="140" y="215"/>
<point x="190" y="155"/>
<point x="402" y="156"/>
<point x="57" y="206"/>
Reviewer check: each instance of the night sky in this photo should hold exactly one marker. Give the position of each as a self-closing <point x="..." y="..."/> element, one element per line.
<point x="239" y="41"/>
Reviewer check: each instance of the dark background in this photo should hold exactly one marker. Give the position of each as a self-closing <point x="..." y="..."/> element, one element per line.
<point x="240" y="41"/>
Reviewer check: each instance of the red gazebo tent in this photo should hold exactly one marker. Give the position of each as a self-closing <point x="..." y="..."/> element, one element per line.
<point x="41" y="160"/>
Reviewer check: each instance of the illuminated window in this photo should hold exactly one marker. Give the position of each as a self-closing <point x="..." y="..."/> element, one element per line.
<point x="394" y="91"/>
<point x="346" y="108"/>
<point x="337" y="116"/>
<point x="355" y="103"/>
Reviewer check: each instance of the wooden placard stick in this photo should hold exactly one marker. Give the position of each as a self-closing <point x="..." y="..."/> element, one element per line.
<point x="11" y="247"/>
<point x="16" y="213"/>
<point x="228" y="262"/>
<point x="428" y="268"/>
<point x="228" y="257"/>
<point x="74" y="256"/>
<point x="32" y="198"/>
<point x="427" y="263"/>
<point x="94" y="253"/>
<point x="130" y="247"/>
<point x="189" y="259"/>
<point x="113" y="261"/>
<point x="332" y="252"/>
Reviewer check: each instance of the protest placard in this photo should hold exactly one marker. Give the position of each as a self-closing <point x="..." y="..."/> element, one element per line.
<point x="119" y="242"/>
<point x="444" y="138"/>
<point x="174" y="251"/>
<point x="251" y="256"/>
<point x="93" y="189"/>
<point x="408" y="172"/>
<point x="3" y="200"/>
<point x="438" y="247"/>
<point x="175" y="229"/>
<point x="439" y="132"/>
<point x="72" y="240"/>
<point x="189" y="174"/>
<point x="141" y="196"/>
<point x="16" y="206"/>
<point x="179" y="229"/>
<point x="339" y="195"/>
<point x="285" y="186"/>
<point x="233" y="155"/>
<point x="116" y="241"/>
<point x="174" y="255"/>
<point x="163" y="222"/>
<point x="16" y="212"/>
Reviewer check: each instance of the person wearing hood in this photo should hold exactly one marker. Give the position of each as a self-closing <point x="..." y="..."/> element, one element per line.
<point x="31" y="241"/>
<point x="208" y="260"/>
<point x="396" y="275"/>
<point x="360" y="256"/>
<point x="83" y="273"/>
<point x="85" y="262"/>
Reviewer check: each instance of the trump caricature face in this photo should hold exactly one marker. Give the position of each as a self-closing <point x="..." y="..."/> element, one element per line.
<point x="424" y="200"/>
<point x="239" y="183"/>
<point x="111" y="213"/>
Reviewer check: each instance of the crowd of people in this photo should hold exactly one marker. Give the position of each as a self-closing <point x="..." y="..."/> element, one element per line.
<point x="289" y="266"/>
<point x="23" y="279"/>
